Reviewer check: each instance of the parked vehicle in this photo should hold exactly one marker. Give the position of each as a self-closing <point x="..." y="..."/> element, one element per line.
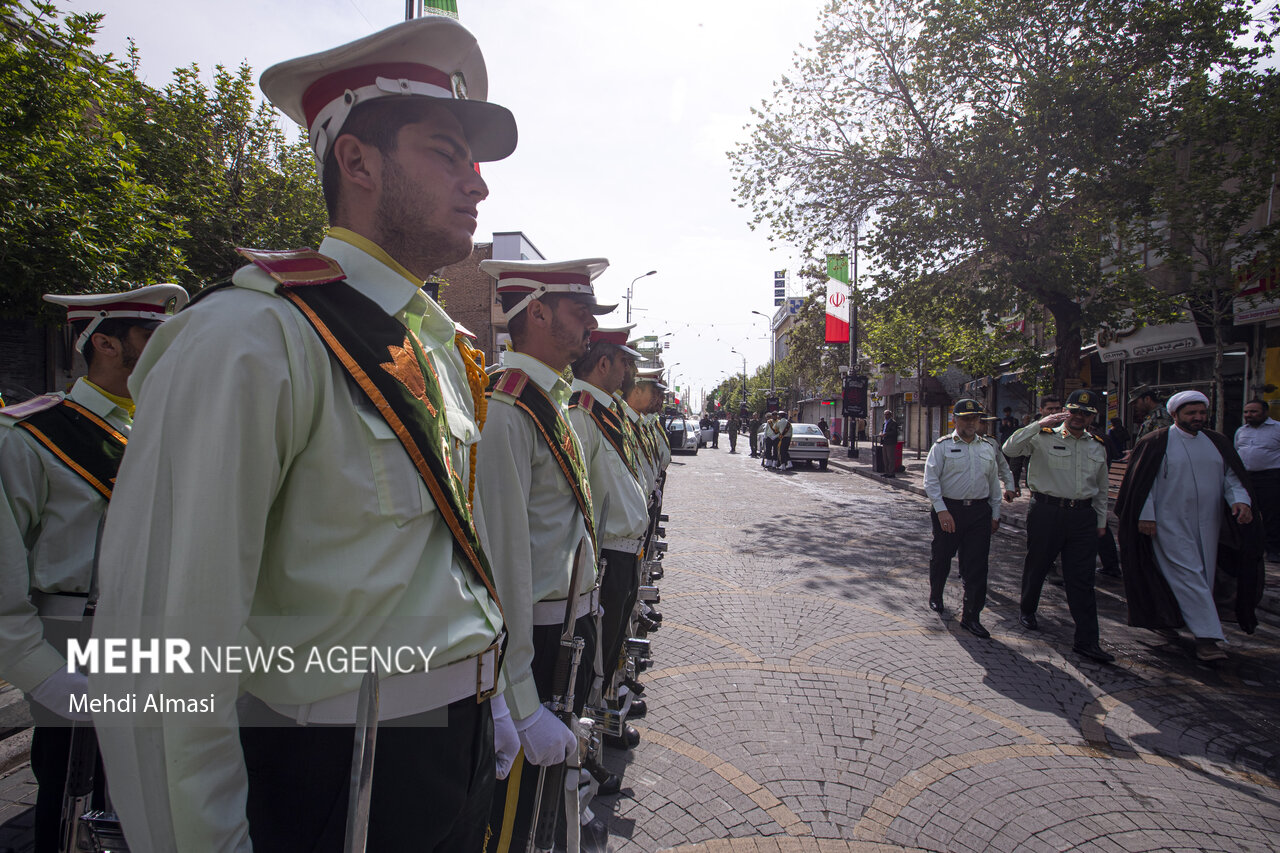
<point x="808" y="445"/>
<point x="682" y="433"/>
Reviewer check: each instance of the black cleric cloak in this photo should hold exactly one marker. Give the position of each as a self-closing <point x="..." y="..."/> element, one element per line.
<point x="1240" y="546"/>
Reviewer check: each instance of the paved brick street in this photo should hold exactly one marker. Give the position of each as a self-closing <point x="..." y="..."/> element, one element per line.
<point x="805" y="698"/>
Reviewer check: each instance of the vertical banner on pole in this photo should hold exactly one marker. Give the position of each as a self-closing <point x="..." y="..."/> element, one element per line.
<point x="838" y="300"/>
<point x="449" y="8"/>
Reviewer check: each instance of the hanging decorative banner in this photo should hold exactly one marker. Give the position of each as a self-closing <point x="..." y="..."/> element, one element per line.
<point x="838" y="296"/>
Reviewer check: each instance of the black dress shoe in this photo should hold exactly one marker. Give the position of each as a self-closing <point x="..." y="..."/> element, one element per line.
<point x="973" y="626"/>
<point x="1094" y="652"/>
<point x="639" y="708"/>
<point x="629" y="740"/>
<point x="610" y="785"/>
<point x="1029" y="622"/>
<point x="935" y="604"/>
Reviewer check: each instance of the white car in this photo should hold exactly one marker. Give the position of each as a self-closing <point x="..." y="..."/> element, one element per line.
<point x="808" y="445"/>
<point x="682" y="433"/>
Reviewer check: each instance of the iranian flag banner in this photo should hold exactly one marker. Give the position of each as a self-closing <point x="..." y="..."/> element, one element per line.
<point x="837" y="299"/>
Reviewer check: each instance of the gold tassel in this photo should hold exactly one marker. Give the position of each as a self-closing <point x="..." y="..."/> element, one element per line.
<point x="473" y="360"/>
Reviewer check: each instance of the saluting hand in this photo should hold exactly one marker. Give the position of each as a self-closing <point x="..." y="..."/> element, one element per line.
<point x="1242" y="512"/>
<point x="1054" y="419"/>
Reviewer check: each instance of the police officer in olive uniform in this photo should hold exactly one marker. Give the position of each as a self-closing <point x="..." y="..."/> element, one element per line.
<point x="962" y="481"/>
<point x="1147" y="406"/>
<point x="1067" y="475"/>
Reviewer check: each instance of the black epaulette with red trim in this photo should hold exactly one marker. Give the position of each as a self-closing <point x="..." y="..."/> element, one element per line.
<point x="582" y="400"/>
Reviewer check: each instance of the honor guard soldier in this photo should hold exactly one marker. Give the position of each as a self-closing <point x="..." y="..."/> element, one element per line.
<point x="612" y="471"/>
<point x="539" y="512"/>
<point x="961" y="479"/>
<point x="301" y="485"/>
<point x="59" y="456"/>
<point x="1067" y="475"/>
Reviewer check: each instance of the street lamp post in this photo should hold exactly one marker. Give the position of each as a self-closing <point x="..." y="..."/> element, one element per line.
<point x="771" y="348"/>
<point x="744" y="376"/>
<point x="632" y="285"/>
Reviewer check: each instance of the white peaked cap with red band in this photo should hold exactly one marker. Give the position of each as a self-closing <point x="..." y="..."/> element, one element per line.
<point x="155" y="302"/>
<point x="534" y="279"/>
<point x="617" y="337"/>
<point x="654" y="375"/>
<point x="431" y="57"/>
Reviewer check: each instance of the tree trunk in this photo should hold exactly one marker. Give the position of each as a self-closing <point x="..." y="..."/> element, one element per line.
<point x="1067" y="341"/>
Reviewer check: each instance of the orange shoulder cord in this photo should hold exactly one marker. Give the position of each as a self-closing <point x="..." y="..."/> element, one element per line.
<point x="473" y="359"/>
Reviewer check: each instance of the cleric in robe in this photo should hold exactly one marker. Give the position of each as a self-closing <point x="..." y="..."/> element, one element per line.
<point x="1191" y="483"/>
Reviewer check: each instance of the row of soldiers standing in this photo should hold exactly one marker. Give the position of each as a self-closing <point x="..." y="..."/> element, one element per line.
<point x="318" y="462"/>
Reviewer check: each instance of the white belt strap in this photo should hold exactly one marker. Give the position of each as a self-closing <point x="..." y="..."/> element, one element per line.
<point x="409" y="693"/>
<point x="552" y="612"/>
<point x="616" y="543"/>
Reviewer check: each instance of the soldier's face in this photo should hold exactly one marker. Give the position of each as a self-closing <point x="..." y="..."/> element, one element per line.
<point x="571" y="326"/>
<point x="1255" y="414"/>
<point x="1050" y="407"/>
<point x="1192" y="417"/>
<point x="429" y="194"/>
<point x="967" y="426"/>
<point x="1078" y="420"/>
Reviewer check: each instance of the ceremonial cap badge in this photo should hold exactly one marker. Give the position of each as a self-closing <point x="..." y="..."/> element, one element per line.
<point x="521" y="282"/>
<point x="431" y="57"/>
<point x="153" y="303"/>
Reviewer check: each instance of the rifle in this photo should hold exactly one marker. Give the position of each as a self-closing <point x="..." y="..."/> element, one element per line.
<point x="546" y="810"/>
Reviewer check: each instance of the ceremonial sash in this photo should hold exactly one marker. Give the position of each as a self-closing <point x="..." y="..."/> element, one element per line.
<point x="609" y="423"/>
<point x="642" y="441"/>
<point x="555" y="431"/>
<point x="387" y="361"/>
<point x="85" y="442"/>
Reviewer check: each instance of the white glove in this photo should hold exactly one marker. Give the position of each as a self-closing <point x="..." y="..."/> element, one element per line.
<point x="545" y="739"/>
<point x="506" y="743"/>
<point x="55" y="693"/>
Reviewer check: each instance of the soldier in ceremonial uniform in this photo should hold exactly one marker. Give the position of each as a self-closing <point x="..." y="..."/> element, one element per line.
<point x="961" y="479"/>
<point x="1067" y="475"/>
<point x="539" y="511"/>
<point x="59" y="456"/>
<point x="301" y="482"/>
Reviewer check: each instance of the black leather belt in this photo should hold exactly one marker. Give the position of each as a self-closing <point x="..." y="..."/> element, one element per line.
<point x="1069" y="503"/>
<point x="966" y="501"/>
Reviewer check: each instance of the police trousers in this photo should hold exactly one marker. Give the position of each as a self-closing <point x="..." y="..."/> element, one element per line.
<point x="972" y="538"/>
<point x="1072" y="532"/>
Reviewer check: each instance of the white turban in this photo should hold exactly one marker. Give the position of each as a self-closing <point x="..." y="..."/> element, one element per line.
<point x="1177" y="401"/>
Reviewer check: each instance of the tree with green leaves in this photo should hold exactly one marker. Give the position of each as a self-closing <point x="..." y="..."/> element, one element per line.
<point x="1212" y="187"/>
<point x="999" y="138"/>
<point x="75" y="214"/>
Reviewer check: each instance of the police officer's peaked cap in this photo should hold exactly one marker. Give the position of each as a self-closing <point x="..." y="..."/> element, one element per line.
<point x="155" y="303"/>
<point x="617" y="337"/>
<point x="521" y="282"/>
<point x="967" y="407"/>
<point x="431" y="57"/>
<point x="1083" y="401"/>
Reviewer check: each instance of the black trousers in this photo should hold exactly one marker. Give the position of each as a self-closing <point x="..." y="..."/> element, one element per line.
<point x="433" y="777"/>
<point x="1073" y="533"/>
<point x="784" y="450"/>
<point x="50" y="750"/>
<point x="618" y="591"/>
<point x="1266" y="485"/>
<point x="890" y="457"/>
<point x="1108" y="553"/>
<point x="512" y="812"/>
<point x="733" y="442"/>
<point x="769" y="445"/>
<point x="972" y="539"/>
<point x="751" y="442"/>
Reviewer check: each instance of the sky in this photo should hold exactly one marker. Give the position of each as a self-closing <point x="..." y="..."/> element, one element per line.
<point x="625" y="113"/>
